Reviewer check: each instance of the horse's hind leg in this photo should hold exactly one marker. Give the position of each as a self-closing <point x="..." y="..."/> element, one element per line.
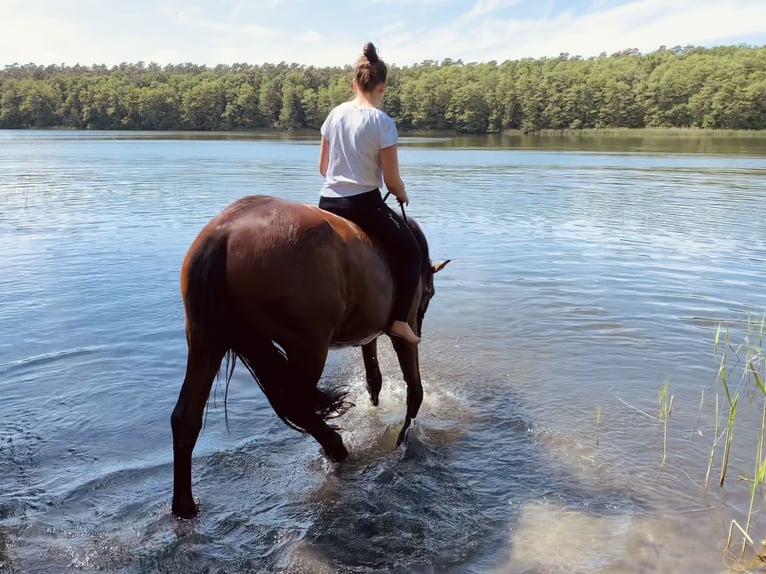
<point x="291" y="387"/>
<point x="308" y="405"/>
<point x="202" y="365"/>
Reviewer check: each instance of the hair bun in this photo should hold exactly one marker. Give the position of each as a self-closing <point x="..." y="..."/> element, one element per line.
<point x="370" y="53"/>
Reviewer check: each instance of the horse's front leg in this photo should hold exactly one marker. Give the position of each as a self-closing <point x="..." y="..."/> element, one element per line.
<point x="407" y="353"/>
<point x="372" y="370"/>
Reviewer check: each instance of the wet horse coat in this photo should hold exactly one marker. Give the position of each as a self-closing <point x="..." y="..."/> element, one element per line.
<point x="276" y="284"/>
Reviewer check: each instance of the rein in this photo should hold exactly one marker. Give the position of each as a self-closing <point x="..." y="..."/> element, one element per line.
<point x="404" y="215"/>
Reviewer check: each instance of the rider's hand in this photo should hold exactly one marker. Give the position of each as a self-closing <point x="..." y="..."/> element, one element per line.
<point x="403" y="199"/>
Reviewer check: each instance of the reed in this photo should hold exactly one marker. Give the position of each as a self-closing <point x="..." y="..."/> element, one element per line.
<point x="598" y="422"/>
<point x="746" y="360"/>
<point x="666" y="409"/>
<point x="716" y="439"/>
<point x="663" y="416"/>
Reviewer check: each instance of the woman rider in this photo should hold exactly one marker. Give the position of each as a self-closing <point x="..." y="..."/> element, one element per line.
<point x="358" y="146"/>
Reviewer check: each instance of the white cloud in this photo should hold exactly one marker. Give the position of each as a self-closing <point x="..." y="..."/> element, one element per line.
<point x="647" y="25"/>
<point x="644" y="24"/>
<point x="207" y="32"/>
<point x="485" y="7"/>
<point x="260" y="32"/>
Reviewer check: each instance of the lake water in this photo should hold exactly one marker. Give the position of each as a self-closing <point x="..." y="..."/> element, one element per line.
<point x="586" y="273"/>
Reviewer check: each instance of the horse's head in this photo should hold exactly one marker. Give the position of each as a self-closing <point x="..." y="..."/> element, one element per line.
<point x="427" y="290"/>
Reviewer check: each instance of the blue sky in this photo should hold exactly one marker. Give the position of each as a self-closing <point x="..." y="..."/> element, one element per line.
<point x="332" y="32"/>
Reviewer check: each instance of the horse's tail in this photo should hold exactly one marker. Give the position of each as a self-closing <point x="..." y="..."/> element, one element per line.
<point x="206" y="298"/>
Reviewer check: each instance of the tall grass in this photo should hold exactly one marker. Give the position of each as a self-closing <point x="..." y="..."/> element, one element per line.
<point x="598" y="422"/>
<point x="663" y="416"/>
<point x="740" y="371"/>
<point x="666" y="409"/>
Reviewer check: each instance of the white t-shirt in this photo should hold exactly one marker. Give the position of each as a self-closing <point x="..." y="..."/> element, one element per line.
<point x="356" y="135"/>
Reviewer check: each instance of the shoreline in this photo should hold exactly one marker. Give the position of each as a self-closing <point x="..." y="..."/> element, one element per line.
<point x="302" y="132"/>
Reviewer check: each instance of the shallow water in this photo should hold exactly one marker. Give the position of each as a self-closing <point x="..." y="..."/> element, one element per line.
<point x="583" y="278"/>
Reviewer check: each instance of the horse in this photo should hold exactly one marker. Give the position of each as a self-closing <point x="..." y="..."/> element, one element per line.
<point x="275" y="284"/>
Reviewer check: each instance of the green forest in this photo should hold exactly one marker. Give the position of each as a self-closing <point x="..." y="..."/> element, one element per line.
<point x="691" y="87"/>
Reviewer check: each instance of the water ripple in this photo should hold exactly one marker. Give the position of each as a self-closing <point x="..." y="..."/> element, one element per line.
<point x="580" y="282"/>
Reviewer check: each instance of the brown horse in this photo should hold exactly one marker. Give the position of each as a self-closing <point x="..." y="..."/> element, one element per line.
<point x="275" y="284"/>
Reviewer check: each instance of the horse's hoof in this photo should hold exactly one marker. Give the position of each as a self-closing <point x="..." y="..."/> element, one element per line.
<point x="402" y="434"/>
<point x="185" y="509"/>
<point x="337" y="454"/>
<point x="335" y="450"/>
<point x="374" y="399"/>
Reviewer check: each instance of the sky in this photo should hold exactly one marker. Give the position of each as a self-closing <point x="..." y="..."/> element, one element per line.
<point x="332" y="32"/>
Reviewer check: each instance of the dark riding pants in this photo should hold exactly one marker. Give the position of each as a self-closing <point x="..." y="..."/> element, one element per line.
<point x="382" y="223"/>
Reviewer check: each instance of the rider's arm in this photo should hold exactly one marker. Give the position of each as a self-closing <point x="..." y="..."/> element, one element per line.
<point x="324" y="156"/>
<point x="389" y="162"/>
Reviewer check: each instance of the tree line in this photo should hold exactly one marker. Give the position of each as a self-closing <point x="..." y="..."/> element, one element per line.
<point x="722" y="88"/>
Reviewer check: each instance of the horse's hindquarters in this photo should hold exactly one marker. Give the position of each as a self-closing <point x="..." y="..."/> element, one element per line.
<point x="295" y="271"/>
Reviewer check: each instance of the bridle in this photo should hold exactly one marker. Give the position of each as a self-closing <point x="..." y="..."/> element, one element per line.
<point x="401" y="205"/>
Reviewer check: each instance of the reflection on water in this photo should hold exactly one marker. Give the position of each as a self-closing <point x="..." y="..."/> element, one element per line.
<point x="586" y="272"/>
<point x="622" y="141"/>
<point x="552" y="538"/>
<point x="672" y="141"/>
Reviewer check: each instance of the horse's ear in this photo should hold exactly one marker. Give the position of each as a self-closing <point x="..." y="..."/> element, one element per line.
<point x="441" y="265"/>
